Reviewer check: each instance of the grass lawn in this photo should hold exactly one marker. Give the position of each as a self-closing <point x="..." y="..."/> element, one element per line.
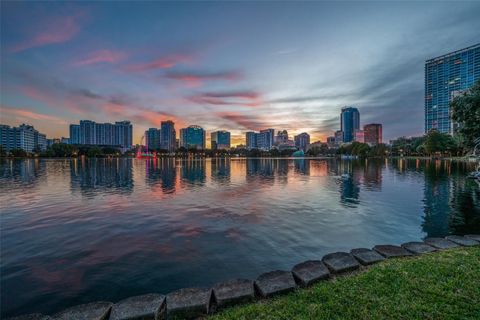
<point x="442" y="285"/>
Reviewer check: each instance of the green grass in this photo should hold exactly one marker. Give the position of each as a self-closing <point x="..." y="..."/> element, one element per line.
<point x="442" y="285"/>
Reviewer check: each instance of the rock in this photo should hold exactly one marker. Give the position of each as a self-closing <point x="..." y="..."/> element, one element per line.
<point x="144" y="307"/>
<point x="233" y="292"/>
<point x="463" y="241"/>
<point x="309" y="272"/>
<point x="389" y="251"/>
<point x="274" y="282"/>
<point x="33" y="316"/>
<point x="189" y="303"/>
<point x="440" y="243"/>
<point x="418" y="247"/>
<point x="339" y="262"/>
<point x="367" y="256"/>
<point x="475" y="237"/>
<point x="89" y="311"/>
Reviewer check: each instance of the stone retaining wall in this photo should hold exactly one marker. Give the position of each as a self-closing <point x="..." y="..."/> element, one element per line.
<point x="190" y="303"/>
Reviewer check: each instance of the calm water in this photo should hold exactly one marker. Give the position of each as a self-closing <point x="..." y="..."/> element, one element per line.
<point x="75" y="231"/>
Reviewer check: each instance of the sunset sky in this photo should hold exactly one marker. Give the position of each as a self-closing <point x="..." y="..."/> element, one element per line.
<point x="234" y="66"/>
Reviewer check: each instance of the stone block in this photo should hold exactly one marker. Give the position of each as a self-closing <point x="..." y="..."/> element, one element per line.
<point x="418" y="247"/>
<point x="390" y="251"/>
<point x="339" y="262"/>
<point x="440" y="243"/>
<point x="308" y="272"/>
<point x="189" y="303"/>
<point x="366" y="256"/>
<point x="233" y="292"/>
<point x="89" y="311"/>
<point x="463" y="241"/>
<point x="32" y="316"/>
<point x="144" y="307"/>
<point x="274" y="282"/>
<point x="475" y="237"/>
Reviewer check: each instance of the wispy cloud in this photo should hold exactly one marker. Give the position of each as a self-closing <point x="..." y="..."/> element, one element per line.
<point x="23" y="113"/>
<point x="50" y="31"/>
<point x="241" y="98"/>
<point x="102" y="56"/>
<point x="165" y="62"/>
<point x="196" y="79"/>
<point x="249" y="122"/>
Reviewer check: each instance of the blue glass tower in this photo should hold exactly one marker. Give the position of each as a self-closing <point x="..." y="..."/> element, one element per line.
<point x="446" y="77"/>
<point x="350" y="122"/>
<point x="192" y="137"/>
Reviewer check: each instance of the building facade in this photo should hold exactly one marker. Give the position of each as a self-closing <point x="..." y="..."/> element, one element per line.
<point x="220" y="140"/>
<point x="302" y="141"/>
<point x="23" y="137"/>
<point x="447" y="76"/>
<point x="282" y="137"/>
<point x="192" y="137"/>
<point x="338" y="137"/>
<point x="152" y="139"/>
<point x="331" y="142"/>
<point x="251" y="140"/>
<point x="74" y="134"/>
<point x="168" y="136"/>
<point x="372" y="133"/>
<point x="349" y="123"/>
<point x="265" y="139"/>
<point x="89" y="132"/>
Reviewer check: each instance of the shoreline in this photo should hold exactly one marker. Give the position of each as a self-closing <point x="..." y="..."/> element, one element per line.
<point x="190" y="303"/>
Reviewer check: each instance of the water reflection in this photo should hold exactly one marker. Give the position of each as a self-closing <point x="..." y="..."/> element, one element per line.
<point x="95" y="176"/>
<point x="140" y="225"/>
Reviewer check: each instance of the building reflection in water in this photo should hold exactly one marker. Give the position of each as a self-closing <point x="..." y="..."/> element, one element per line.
<point x="220" y="169"/>
<point x="91" y="176"/>
<point x="349" y="177"/>
<point x="27" y="172"/>
<point x="451" y="202"/>
<point x="302" y="166"/>
<point x="192" y="172"/>
<point x="161" y="172"/>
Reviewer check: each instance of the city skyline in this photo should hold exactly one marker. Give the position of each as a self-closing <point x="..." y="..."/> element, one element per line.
<point x="306" y="62"/>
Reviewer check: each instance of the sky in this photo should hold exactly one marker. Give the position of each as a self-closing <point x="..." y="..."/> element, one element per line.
<point x="237" y="66"/>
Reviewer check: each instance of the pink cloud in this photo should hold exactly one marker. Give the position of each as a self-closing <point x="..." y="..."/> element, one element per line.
<point x="52" y="30"/>
<point x="165" y="62"/>
<point x="242" y="98"/>
<point x="196" y="79"/>
<point x="249" y="122"/>
<point x="24" y="113"/>
<point x="102" y="56"/>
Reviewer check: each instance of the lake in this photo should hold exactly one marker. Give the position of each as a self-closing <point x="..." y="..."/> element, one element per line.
<point x="76" y="231"/>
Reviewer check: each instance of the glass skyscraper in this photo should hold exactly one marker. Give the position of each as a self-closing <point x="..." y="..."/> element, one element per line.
<point x="220" y="140"/>
<point x="192" y="137"/>
<point x="446" y="77"/>
<point x="350" y="122"/>
<point x="168" y="136"/>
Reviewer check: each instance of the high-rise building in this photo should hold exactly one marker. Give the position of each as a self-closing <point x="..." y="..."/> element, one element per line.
<point x="220" y="140"/>
<point x="168" y="136"/>
<point x="338" y="137"/>
<point x="265" y="139"/>
<point x="192" y="137"/>
<point x="302" y="141"/>
<point x="331" y="142"/>
<point x="123" y="134"/>
<point x="359" y="136"/>
<point x="23" y="137"/>
<point x="89" y="132"/>
<point x="372" y="133"/>
<point x="282" y="137"/>
<point x="251" y="140"/>
<point x="152" y="139"/>
<point x="74" y="134"/>
<point x="446" y="77"/>
<point x="350" y="122"/>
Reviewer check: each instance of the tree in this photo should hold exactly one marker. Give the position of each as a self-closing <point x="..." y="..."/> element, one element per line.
<point x="20" y="153"/>
<point x="94" y="152"/>
<point x="3" y="152"/>
<point x="466" y="112"/>
<point x="437" y="142"/>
